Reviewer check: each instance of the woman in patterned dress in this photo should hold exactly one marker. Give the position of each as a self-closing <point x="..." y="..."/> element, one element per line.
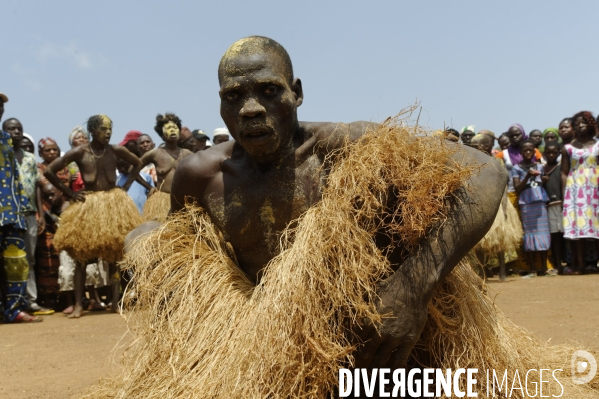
<point x="579" y="182"/>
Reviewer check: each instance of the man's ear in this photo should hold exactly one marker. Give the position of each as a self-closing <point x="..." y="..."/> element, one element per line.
<point x="296" y="87"/>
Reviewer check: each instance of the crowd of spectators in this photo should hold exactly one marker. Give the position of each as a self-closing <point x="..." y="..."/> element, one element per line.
<point x="553" y="184"/>
<point x="35" y="279"/>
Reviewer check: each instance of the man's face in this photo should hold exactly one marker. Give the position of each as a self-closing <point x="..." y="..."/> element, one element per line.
<point x="221" y="138"/>
<point x="467" y="137"/>
<point x="104" y="132"/>
<point x="145" y="144"/>
<point x="483" y="143"/>
<point x="258" y="104"/>
<point x="15" y="129"/>
<point x="170" y="131"/>
<point x="201" y="144"/>
<point x="536" y="136"/>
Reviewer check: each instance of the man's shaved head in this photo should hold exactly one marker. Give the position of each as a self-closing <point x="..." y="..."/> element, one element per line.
<point x="251" y="45"/>
<point x="483" y="142"/>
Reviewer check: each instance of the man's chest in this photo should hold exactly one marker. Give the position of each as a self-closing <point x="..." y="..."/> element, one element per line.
<point x="253" y="208"/>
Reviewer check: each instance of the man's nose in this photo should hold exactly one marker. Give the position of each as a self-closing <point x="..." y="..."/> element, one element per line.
<point x="251" y="108"/>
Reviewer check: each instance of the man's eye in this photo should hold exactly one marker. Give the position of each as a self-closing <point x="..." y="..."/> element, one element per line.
<point x="230" y="96"/>
<point x="271" y="90"/>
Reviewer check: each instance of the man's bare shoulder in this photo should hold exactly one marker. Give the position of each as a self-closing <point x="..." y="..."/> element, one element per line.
<point x="328" y="136"/>
<point x="195" y="172"/>
<point x="203" y="164"/>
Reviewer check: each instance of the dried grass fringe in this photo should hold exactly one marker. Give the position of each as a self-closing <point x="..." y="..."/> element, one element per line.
<point x="203" y="330"/>
<point x="505" y="234"/>
<point x="97" y="227"/>
<point x="157" y="207"/>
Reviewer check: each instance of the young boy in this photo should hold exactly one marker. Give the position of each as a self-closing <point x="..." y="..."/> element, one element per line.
<point x="552" y="171"/>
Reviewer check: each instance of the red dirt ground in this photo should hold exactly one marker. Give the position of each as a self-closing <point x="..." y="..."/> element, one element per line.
<point x="59" y="358"/>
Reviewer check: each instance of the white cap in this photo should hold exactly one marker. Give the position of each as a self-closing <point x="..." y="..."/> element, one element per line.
<point x="221" y="131"/>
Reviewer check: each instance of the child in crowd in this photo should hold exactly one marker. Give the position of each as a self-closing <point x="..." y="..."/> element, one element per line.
<point x="532" y="198"/>
<point x="552" y="185"/>
<point x="47" y="259"/>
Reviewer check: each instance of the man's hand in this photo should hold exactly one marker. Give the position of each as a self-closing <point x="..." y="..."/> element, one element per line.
<point x="406" y="294"/>
<point x="78" y="196"/>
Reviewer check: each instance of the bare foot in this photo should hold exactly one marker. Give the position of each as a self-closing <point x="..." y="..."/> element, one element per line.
<point x="76" y="312"/>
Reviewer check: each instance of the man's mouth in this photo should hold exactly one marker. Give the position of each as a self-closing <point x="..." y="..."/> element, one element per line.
<point x="256" y="133"/>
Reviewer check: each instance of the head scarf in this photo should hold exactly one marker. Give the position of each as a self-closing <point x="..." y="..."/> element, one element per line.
<point x="28" y="136"/>
<point x="76" y="130"/>
<point x="514" y="152"/>
<point x="44" y="142"/>
<point x="554" y="131"/>
<point x="469" y="127"/>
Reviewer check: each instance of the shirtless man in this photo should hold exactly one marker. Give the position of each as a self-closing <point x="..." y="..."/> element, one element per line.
<point x="274" y="166"/>
<point x="97" y="164"/>
<point x="166" y="159"/>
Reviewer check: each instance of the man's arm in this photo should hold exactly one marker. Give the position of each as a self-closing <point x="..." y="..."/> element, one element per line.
<point x="192" y="177"/>
<point x="330" y="136"/>
<point x="124" y="154"/>
<point x="72" y="155"/>
<point x="565" y="170"/>
<point x="40" y="209"/>
<point x="405" y="295"/>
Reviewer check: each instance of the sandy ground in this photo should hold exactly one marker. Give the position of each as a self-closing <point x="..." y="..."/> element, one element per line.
<point x="60" y="357"/>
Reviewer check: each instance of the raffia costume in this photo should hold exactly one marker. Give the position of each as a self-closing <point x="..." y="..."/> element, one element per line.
<point x="203" y="330"/>
<point x="97" y="227"/>
<point x="157" y="207"/>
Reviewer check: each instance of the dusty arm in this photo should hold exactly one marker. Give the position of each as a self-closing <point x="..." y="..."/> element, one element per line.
<point x="406" y="294"/>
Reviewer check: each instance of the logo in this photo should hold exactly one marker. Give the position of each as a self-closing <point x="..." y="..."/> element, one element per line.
<point x="589" y="366"/>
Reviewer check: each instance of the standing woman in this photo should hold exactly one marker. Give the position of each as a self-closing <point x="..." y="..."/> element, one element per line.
<point x="579" y="183"/>
<point x="166" y="159"/>
<point x="48" y="150"/>
<point x="566" y="130"/>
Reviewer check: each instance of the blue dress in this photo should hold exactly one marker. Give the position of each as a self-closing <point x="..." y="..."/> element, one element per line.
<point x="532" y="201"/>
